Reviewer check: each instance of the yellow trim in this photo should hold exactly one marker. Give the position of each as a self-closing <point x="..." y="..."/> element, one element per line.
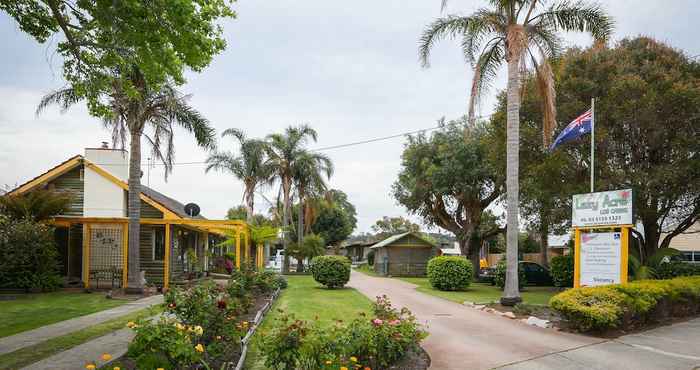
<point x="577" y="258"/>
<point x="602" y="227"/>
<point x="167" y="214"/>
<point x="260" y="256"/>
<point x="624" y="255"/>
<point x="48" y="176"/>
<point x="238" y="250"/>
<point x="166" y="262"/>
<point x="246" y="247"/>
<point x="86" y="255"/>
<point x="125" y="255"/>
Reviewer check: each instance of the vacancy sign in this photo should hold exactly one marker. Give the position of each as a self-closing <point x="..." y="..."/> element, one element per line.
<point x="602" y="208"/>
<point x="600" y="259"/>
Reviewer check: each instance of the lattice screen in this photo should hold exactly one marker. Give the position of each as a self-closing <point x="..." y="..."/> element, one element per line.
<point x="105" y="247"/>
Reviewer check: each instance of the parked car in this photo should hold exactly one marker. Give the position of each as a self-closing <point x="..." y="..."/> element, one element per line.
<point x="535" y="274"/>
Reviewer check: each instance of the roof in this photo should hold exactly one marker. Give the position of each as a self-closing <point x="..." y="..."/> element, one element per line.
<point x="152" y="195"/>
<point x="394" y="238"/>
<point x="358" y="244"/>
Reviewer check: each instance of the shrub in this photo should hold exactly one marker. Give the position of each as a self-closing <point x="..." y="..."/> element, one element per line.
<point x="499" y="277"/>
<point x="28" y="254"/>
<point x="450" y="272"/>
<point x="376" y="342"/>
<point x="562" y="270"/>
<point x="163" y="344"/>
<point x="628" y="305"/>
<point x="331" y="271"/>
<point x="674" y="269"/>
<point x="370" y="258"/>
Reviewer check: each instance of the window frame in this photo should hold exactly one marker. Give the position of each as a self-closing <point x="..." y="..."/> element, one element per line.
<point x="154" y="236"/>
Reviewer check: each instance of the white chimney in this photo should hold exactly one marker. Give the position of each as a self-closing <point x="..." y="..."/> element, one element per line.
<point x="102" y="197"/>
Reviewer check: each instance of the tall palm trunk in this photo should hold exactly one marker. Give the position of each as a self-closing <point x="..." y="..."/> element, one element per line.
<point x="544" y="232"/>
<point x="511" y="294"/>
<point x="249" y="203"/>
<point x="134" y="272"/>
<point x="286" y="188"/>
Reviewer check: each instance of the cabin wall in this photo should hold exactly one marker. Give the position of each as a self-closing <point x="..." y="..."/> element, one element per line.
<point x="71" y="182"/>
<point x="409" y="260"/>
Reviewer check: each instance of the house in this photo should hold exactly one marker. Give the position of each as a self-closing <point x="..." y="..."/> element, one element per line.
<point x="357" y="251"/>
<point x="92" y="233"/>
<point x="687" y="242"/>
<point x="404" y="254"/>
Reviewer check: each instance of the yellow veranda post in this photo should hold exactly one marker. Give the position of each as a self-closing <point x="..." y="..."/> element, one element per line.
<point x="86" y="255"/>
<point x="125" y="254"/>
<point x="238" y="249"/>
<point x="166" y="263"/>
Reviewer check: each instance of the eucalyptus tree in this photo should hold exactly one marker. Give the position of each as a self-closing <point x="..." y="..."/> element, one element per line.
<point x="283" y="152"/>
<point x="153" y="116"/>
<point x="308" y="172"/>
<point x="523" y="34"/>
<point x="249" y="166"/>
<point x="122" y="58"/>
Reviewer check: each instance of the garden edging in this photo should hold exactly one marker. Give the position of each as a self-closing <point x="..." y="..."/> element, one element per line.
<point x="259" y="316"/>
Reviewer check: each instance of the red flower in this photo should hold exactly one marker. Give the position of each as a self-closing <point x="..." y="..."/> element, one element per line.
<point x="221" y="304"/>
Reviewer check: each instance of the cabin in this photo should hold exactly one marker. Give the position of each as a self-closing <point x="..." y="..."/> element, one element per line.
<point x="357" y="251"/>
<point x="91" y="234"/>
<point x="404" y="254"/>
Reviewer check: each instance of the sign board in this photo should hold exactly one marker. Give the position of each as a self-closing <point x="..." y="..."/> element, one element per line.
<point x="600" y="258"/>
<point x="612" y="208"/>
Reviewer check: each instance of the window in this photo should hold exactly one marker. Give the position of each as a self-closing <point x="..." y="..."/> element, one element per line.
<point x="158" y="244"/>
<point x="687" y="256"/>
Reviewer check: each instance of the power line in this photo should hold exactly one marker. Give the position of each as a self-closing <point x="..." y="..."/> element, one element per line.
<point x="346" y="145"/>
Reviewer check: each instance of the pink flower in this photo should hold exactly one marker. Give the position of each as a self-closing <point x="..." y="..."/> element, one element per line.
<point x="394" y="322"/>
<point x="377" y="321"/>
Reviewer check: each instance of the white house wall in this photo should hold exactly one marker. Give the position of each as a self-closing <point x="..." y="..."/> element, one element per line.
<point x="103" y="198"/>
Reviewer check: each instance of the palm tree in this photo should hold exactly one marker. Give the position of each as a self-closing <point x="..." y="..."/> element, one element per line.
<point x="159" y="111"/>
<point x="250" y="166"/>
<point x="308" y="174"/>
<point x="522" y="33"/>
<point x="283" y="152"/>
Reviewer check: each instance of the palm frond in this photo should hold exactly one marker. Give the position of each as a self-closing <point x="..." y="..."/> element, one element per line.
<point x="545" y="85"/>
<point x="485" y="71"/>
<point x="448" y="27"/>
<point x="64" y="98"/>
<point x="237" y="133"/>
<point x="578" y="16"/>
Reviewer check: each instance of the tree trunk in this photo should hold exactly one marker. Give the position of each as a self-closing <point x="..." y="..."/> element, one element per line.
<point x="511" y="294"/>
<point x="286" y="188"/>
<point x="651" y="238"/>
<point x="134" y="204"/>
<point x="300" y="224"/>
<point x="544" y="233"/>
<point x="300" y="265"/>
<point x="249" y="201"/>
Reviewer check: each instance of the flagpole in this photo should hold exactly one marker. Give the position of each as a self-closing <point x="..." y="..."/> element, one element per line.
<point x="592" y="144"/>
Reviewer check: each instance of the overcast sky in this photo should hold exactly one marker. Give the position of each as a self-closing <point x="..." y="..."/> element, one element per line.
<point x="349" y="69"/>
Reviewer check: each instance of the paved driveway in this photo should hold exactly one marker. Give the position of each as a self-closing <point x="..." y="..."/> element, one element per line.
<point x="465" y="338"/>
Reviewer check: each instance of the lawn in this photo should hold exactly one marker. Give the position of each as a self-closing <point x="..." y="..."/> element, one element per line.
<point x="484" y="293"/>
<point x="308" y="300"/>
<point x="367" y="269"/>
<point x="34" y="310"/>
<point x="29" y="355"/>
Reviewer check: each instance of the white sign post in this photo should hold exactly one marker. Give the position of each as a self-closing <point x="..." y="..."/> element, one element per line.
<point x="601" y="258"/>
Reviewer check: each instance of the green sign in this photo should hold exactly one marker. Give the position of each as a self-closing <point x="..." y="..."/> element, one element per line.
<point x="602" y="208"/>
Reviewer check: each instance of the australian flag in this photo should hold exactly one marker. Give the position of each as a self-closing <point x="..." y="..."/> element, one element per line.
<point x="577" y="128"/>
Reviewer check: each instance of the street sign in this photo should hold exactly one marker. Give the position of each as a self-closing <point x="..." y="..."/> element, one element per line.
<point x="612" y="208"/>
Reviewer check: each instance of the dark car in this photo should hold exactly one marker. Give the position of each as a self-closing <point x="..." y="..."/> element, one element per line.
<point x="535" y="274"/>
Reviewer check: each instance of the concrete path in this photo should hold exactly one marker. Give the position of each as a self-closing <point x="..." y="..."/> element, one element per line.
<point x="465" y="338"/>
<point x="115" y="343"/>
<point x="38" y="335"/>
<point x="670" y="347"/>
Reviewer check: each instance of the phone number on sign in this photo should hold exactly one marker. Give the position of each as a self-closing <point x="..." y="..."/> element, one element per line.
<point x="598" y="219"/>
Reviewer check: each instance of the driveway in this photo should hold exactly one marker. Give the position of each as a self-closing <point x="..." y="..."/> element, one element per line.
<point x="465" y="338"/>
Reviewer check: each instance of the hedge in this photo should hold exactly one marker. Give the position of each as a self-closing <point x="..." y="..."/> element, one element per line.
<point x="450" y="272"/>
<point x="331" y="271"/>
<point x="628" y="305"/>
<point x="562" y="270"/>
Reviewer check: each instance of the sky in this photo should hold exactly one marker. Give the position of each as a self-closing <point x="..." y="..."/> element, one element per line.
<point x="348" y="69"/>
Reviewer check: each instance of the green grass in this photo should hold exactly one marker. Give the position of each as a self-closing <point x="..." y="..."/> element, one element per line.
<point x="484" y="293"/>
<point x="34" y="310"/>
<point x="367" y="269"/>
<point x="308" y="300"/>
<point x="40" y="351"/>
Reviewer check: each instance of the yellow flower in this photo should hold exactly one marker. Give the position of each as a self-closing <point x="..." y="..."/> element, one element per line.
<point x="198" y="330"/>
<point x="353" y="358"/>
<point x="160" y="368"/>
<point x="199" y="348"/>
<point x="106" y="357"/>
<point x="130" y="324"/>
<point x="329" y="362"/>
<point x="90" y="366"/>
<point x="343" y="368"/>
<point x="117" y="368"/>
<point x="180" y="327"/>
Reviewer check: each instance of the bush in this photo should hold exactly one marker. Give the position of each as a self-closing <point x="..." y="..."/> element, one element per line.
<point x="562" y="270"/>
<point x="370" y="258"/>
<point x="331" y="271"/>
<point x="28" y="254"/>
<point x="675" y="269"/>
<point x="377" y="342"/>
<point x="628" y="305"/>
<point x="450" y="272"/>
<point x="499" y="277"/>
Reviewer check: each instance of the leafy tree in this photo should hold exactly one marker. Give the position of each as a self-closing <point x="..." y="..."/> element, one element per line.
<point x="647" y="131"/>
<point x="37" y="205"/>
<point x="283" y="152"/>
<point x="309" y="171"/>
<point x="313" y="245"/>
<point x="333" y="224"/>
<point x="123" y="58"/>
<point x="250" y="166"/>
<point x="520" y="33"/>
<point x="389" y="226"/>
<point x="241" y="213"/>
<point x="448" y="181"/>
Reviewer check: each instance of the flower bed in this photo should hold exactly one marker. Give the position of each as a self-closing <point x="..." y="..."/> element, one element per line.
<point x="388" y="340"/>
<point x="628" y="306"/>
<point x="203" y="326"/>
